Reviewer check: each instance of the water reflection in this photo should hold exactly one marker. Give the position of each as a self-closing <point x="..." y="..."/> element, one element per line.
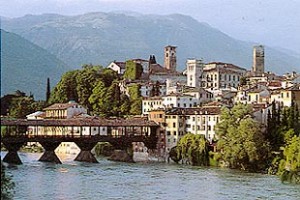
<point x="115" y="180"/>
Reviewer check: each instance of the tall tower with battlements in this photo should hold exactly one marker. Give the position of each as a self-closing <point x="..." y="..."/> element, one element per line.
<point x="258" y="67"/>
<point x="170" y="60"/>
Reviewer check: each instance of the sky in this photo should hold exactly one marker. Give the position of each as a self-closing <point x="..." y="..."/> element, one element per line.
<point x="273" y="23"/>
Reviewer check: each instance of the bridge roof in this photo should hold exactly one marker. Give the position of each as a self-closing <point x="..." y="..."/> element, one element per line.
<point x="91" y="121"/>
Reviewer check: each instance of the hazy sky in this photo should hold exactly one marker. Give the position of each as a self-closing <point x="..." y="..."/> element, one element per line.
<point x="269" y="22"/>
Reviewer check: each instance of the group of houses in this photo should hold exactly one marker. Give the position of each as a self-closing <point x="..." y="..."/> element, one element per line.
<point x="191" y="101"/>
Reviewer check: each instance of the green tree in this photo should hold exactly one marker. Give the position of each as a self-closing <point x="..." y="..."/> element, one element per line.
<point x="193" y="149"/>
<point x="289" y="169"/>
<point x="7" y="185"/>
<point x="86" y="80"/>
<point x="21" y="106"/>
<point x="241" y="142"/>
<point x="133" y="71"/>
<point x="135" y="99"/>
<point x="98" y="100"/>
<point x="125" y="107"/>
<point x="65" y="90"/>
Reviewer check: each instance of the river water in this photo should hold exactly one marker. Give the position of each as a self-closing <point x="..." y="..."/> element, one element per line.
<point x="36" y="180"/>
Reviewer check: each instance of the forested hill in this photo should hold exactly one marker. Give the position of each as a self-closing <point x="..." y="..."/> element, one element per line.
<point x="100" y="38"/>
<point x="26" y="66"/>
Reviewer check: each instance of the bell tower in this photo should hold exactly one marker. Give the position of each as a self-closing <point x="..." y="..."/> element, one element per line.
<point x="170" y="60"/>
<point x="258" y="66"/>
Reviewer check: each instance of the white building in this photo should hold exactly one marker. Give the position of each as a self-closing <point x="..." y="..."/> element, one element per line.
<point x="194" y="70"/>
<point x="202" y="120"/>
<point x="218" y="75"/>
<point x="180" y="101"/>
<point x="118" y="67"/>
<point x="64" y="110"/>
<point x="151" y="103"/>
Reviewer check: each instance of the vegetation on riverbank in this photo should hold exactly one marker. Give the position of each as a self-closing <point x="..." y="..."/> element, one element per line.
<point x="7" y="185"/>
<point x="244" y="144"/>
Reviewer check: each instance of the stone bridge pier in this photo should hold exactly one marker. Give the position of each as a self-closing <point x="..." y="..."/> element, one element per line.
<point x="49" y="154"/>
<point x="85" y="154"/>
<point x="12" y="156"/>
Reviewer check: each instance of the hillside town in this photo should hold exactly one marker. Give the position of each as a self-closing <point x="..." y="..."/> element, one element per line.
<point x="184" y="102"/>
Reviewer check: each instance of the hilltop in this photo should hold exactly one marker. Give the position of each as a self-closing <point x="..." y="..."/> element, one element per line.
<point x="100" y="38"/>
<point x="26" y="66"/>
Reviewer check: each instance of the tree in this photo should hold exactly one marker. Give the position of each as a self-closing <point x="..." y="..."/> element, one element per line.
<point x="289" y="169"/>
<point x="98" y="100"/>
<point x="86" y="80"/>
<point x="241" y="142"/>
<point x="193" y="149"/>
<point x="135" y="99"/>
<point x="133" y="71"/>
<point x="48" y="92"/>
<point x="65" y="90"/>
<point x="7" y="185"/>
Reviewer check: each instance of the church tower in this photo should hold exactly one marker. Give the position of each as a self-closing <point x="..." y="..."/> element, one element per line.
<point x="170" y="61"/>
<point x="258" y="66"/>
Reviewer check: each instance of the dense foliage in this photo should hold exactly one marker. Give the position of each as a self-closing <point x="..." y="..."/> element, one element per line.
<point x="283" y="133"/>
<point x="97" y="89"/>
<point x="7" y="185"/>
<point x="133" y="71"/>
<point x="18" y="105"/>
<point x="193" y="149"/>
<point x="241" y="141"/>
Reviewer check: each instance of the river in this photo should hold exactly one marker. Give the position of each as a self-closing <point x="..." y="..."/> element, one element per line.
<point x="36" y="180"/>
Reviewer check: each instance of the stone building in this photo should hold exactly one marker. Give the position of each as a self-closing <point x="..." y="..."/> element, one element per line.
<point x="170" y="60"/>
<point x="258" y="67"/>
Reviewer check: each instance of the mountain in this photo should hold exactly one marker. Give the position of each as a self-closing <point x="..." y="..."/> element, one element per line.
<point x="26" y="66"/>
<point x="100" y="38"/>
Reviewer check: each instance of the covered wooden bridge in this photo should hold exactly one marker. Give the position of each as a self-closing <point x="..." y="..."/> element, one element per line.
<point x="86" y="132"/>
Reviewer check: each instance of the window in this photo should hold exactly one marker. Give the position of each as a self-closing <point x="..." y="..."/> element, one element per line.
<point x="215" y="76"/>
<point x="174" y="133"/>
<point x="174" y="125"/>
<point x="233" y="77"/>
<point x="287" y="95"/>
<point x="168" y="133"/>
<point x="229" y="77"/>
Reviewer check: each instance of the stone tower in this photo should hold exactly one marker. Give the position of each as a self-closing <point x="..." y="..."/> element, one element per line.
<point x="170" y="58"/>
<point x="258" y="66"/>
<point x="194" y="69"/>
